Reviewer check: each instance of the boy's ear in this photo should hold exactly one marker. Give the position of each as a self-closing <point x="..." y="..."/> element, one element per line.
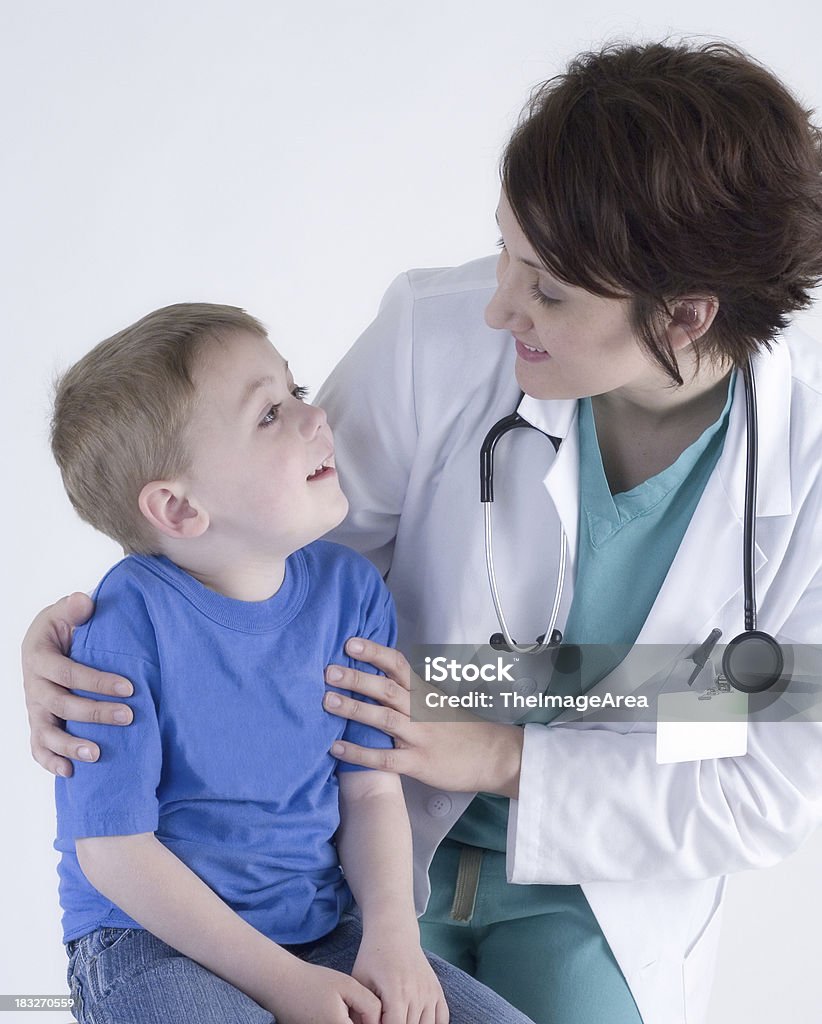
<point x="166" y="507"/>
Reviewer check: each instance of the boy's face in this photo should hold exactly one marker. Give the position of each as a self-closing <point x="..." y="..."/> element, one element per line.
<point x="256" y="450"/>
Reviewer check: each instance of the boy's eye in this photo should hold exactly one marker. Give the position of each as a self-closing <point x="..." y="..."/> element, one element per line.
<point x="271" y="416"/>
<point x="298" y="391"/>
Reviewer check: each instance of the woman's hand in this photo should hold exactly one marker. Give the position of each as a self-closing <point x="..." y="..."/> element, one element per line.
<point x="469" y="755"/>
<point x="49" y="677"/>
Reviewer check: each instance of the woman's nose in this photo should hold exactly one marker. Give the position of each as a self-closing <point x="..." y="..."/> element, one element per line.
<point x="505" y="310"/>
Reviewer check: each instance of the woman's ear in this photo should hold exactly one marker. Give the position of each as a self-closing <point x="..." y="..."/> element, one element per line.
<point x="690" y="317"/>
<point x="168" y="509"/>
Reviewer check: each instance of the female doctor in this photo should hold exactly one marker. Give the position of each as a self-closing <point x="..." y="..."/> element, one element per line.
<point x="660" y="219"/>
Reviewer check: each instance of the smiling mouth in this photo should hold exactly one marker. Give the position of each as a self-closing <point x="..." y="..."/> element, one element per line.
<point x="325" y="468"/>
<point x="530" y="348"/>
<point x="529" y="353"/>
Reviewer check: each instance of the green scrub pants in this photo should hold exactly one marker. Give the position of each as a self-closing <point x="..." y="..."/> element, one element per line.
<point x="538" y="946"/>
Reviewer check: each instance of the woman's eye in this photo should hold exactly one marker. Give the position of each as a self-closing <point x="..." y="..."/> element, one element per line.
<point x="541" y="297"/>
<point x="271" y="416"/>
<point x="298" y="391"/>
<point x="500" y="243"/>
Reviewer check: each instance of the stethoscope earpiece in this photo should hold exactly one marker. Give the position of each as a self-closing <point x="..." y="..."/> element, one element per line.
<point x="753" y="662"/>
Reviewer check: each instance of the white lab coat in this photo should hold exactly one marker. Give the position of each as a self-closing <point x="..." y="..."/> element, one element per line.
<point x="650" y="844"/>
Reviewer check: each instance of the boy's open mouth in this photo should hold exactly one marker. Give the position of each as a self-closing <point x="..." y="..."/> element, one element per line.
<point x="325" y="468"/>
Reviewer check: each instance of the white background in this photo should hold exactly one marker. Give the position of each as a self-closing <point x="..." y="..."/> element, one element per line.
<point x="290" y="159"/>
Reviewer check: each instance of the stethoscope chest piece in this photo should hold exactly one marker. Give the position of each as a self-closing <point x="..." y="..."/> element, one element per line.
<point x="753" y="661"/>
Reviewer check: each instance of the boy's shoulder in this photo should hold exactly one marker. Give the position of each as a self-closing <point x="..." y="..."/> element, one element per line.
<point x="122" y="620"/>
<point x="351" y="585"/>
<point x="341" y="575"/>
<point x="328" y="557"/>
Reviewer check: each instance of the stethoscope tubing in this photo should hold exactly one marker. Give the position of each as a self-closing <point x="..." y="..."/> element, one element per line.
<point x="548" y="639"/>
<point x="514" y="421"/>
<point x="751" y="477"/>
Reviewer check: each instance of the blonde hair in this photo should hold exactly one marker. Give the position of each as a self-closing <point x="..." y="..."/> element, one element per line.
<point x="120" y="413"/>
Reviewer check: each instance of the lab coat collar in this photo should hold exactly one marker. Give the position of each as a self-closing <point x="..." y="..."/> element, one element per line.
<point x="555" y="417"/>
<point x="772" y="374"/>
<point x="558" y="419"/>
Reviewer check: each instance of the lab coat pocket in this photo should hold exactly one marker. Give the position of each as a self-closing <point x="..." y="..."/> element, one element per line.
<point x="700" y="961"/>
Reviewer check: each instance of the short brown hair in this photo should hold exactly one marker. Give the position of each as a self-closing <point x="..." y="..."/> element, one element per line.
<point x="120" y="413"/>
<point x="656" y="171"/>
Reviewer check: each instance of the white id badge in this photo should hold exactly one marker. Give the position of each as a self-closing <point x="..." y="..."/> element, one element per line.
<point x="700" y="724"/>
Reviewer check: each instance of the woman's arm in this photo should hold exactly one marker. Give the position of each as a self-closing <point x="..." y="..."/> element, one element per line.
<point x="162" y="894"/>
<point x="591" y="804"/>
<point x="49" y="677"/>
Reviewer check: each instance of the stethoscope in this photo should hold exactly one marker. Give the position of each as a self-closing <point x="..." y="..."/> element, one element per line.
<point x="752" y="662"/>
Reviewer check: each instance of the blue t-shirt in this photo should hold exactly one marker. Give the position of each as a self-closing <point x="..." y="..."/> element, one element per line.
<point x="227" y="757"/>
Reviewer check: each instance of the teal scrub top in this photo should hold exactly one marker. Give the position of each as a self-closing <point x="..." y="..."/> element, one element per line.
<point x="626" y="545"/>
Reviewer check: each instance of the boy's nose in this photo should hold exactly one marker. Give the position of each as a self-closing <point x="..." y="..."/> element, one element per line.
<point x="313" y="420"/>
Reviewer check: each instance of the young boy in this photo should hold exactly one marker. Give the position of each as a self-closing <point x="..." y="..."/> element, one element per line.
<point x="200" y="875"/>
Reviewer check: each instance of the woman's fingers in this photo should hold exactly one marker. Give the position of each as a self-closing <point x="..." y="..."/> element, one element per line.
<point x="49" y="677"/>
<point x="388" y="691"/>
<point x="51" y="744"/>
<point x="61" y="703"/>
<point x="43" y="654"/>
<point x="48" y="664"/>
<point x="387" y="719"/>
<point x="75" y="609"/>
<point x="54" y="749"/>
<point x="73" y="676"/>
<point x="49" y="696"/>
<point x="383" y="760"/>
<point x="386" y="659"/>
<point x="457" y="750"/>
<point x="51" y="629"/>
<point x="408" y="694"/>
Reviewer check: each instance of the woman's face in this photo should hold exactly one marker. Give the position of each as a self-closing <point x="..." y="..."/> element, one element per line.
<point x="569" y="342"/>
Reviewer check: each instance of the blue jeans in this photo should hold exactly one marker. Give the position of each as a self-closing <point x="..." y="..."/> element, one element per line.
<point x="127" y="976"/>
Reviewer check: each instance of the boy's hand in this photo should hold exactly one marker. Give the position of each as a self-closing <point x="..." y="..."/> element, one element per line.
<point x="49" y="677"/>
<point x="319" y="995"/>
<point x="392" y="965"/>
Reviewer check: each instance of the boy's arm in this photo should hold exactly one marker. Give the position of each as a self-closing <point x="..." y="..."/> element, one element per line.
<point x="374" y="847"/>
<point x="161" y="893"/>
